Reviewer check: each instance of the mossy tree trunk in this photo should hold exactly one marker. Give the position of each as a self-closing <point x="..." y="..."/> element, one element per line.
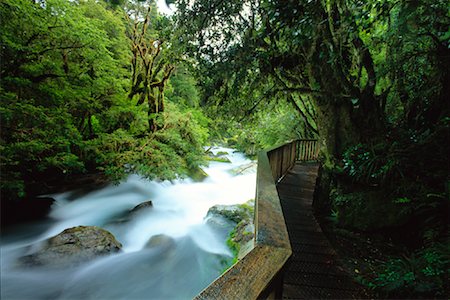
<point x="150" y="71"/>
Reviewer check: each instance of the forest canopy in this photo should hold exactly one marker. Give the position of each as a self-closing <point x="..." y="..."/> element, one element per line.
<point x="113" y="88"/>
<point x="74" y="77"/>
<point x="370" y="80"/>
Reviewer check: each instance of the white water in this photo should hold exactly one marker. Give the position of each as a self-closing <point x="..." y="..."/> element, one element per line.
<point x="178" y="211"/>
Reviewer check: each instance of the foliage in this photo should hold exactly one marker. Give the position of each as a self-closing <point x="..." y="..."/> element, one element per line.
<point x="368" y="210"/>
<point x="232" y="245"/>
<point x="269" y="126"/>
<point x="370" y="166"/>
<point x="174" y="150"/>
<point x="64" y="106"/>
<point x="368" y="78"/>
<point x="59" y="68"/>
<point x="423" y="273"/>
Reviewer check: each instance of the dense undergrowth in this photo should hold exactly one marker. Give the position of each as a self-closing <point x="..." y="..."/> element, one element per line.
<point x="398" y="190"/>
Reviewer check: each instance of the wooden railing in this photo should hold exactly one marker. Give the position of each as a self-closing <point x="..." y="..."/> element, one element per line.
<point x="282" y="158"/>
<point x="307" y="150"/>
<point x="259" y="275"/>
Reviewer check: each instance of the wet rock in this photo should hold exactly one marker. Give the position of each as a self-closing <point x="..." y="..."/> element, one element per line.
<point x="244" y="232"/>
<point x="220" y="156"/>
<point x="245" y="169"/>
<point x="73" y="246"/>
<point x="237" y="221"/>
<point x="142" y="206"/>
<point x="197" y="174"/>
<point x="161" y="240"/>
<point x="126" y="216"/>
<point x="235" y="212"/>
<point x="163" y="244"/>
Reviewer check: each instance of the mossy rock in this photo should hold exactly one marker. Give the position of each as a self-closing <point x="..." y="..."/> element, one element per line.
<point x="222" y="153"/>
<point x="241" y="237"/>
<point x="235" y="213"/>
<point x="197" y="174"/>
<point x="219" y="159"/>
<point x="220" y="156"/>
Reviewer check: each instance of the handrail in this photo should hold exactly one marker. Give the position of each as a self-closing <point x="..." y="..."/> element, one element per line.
<point x="259" y="274"/>
<point x="307" y="150"/>
<point x="282" y="158"/>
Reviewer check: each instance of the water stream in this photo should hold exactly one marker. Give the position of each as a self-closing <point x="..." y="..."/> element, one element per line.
<point x="179" y="209"/>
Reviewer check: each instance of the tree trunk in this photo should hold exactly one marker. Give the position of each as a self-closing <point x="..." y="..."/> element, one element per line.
<point x="336" y="130"/>
<point x="152" y="112"/>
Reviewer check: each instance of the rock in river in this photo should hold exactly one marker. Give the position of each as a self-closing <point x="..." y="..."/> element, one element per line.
<point x="161" y="240"/>
<point x="73" y="246"/>
<point x="237" y="222"/>
<point x="142" y="206"/>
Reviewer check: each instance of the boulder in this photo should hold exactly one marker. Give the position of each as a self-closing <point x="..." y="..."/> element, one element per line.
<point x="161" y="240"/>
<point x="235" y="212"/>
<point x="126" y="216"/>
<point x="237" y="221"/>
<point x="73" y="246"/>
<point x="220" y="156"/>
<point x="197" y="174"/>
<point x="164" y="245"/>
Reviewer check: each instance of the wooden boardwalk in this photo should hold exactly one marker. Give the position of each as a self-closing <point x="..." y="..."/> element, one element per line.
<point x="313" y="271"/>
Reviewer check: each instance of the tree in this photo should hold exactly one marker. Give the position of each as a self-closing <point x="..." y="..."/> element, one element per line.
<point x="64" y="106"/>
<point x="147" y="65"/>
<point x="370" y="78"/>
<point x="294" y="44"/>
<point x="61" y="66"/>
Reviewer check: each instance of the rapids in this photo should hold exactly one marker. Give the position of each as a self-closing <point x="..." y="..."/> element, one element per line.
<point x="198" y="256"/>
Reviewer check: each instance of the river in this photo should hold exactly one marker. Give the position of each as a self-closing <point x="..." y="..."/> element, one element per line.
<point x="179" y="211"/>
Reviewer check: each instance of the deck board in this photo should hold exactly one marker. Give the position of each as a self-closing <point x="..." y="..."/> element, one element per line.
<point x="313" y="271"/>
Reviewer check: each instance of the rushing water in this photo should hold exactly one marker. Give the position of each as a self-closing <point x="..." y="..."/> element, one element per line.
<point x="179" y="210"/>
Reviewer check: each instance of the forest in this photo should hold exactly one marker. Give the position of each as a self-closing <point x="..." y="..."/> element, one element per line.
<point x="103" y="89"/>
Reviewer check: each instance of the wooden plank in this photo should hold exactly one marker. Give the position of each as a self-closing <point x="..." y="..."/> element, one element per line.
<point x="313" y="270"/>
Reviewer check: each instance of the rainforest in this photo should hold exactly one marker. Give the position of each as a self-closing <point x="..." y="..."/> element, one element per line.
<point x="96" y="93"/>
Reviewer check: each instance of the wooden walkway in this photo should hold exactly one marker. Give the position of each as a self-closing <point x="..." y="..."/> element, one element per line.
<point x="313" y="271"/>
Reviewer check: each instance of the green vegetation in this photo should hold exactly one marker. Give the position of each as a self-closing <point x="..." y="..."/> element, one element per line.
<point x="114" y="87"/>
<point x="73" y="88"/>
<point x="369" y="79"/>
<point x="233" y="246"/>
<point x="416" y="275"/>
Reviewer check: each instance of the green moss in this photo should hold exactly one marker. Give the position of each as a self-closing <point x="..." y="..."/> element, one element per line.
<point x="222" y="153"/>
<point x="218" y="159"/>
<point x="232" y="245"/>
<point x="197" y="174"/>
